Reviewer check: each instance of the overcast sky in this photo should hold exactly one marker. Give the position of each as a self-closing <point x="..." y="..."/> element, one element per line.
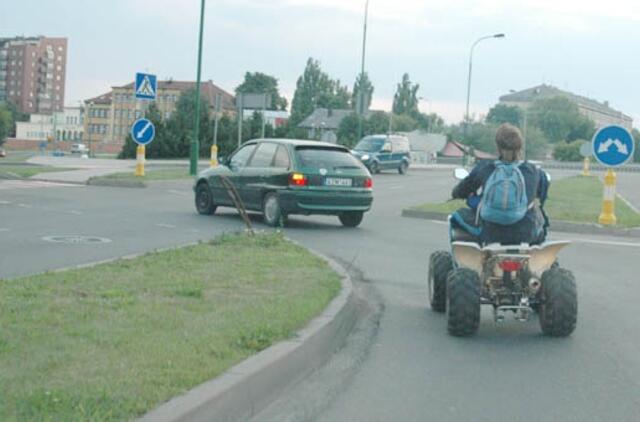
<point x="587" y="47"/>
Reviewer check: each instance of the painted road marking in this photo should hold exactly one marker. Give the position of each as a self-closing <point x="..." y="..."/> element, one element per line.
<point x="25" y="206"/>
<point x="166" y="226"/>
<point x="4" y="230"/>
<point x="178" y="192"/>
<point x="5" y="202"/>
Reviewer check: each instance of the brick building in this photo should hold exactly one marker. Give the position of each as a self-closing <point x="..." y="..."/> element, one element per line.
<point x="32" y="73"/>
<point x="110" y="116"/>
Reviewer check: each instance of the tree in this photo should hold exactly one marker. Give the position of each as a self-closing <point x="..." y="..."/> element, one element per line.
<point x="502" y="113"/>
<point x="568" y="151"/>
<point x="405" y="100"/>
<point x="6" y="123"/>
<point x="260" y="83"/>
<point x="430" y="122"/>
<point x="362" y="83"/>
<point x="560" y="120"/>
<point x="316" y="89"/>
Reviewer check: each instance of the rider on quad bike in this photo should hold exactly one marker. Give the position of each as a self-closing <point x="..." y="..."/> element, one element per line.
<point x="530" y="228"/>
<point x="499" y="255"/>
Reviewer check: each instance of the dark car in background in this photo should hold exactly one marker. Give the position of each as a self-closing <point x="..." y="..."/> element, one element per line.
<point x="384" y="152"/>
<point x="280" y="177"/>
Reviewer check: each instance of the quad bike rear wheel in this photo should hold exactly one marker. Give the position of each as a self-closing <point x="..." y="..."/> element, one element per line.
<point x="440" y="265"/>
<point x="559" y="307"/>
<point x="463" y="302"/>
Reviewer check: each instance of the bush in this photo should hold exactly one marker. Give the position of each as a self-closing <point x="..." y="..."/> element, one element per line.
<point x="568" y="151"/>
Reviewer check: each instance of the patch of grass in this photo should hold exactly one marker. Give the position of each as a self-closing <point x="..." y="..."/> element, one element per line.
<point x="17" y="156"/>
<point x="576" y="199"/>
<point x="28" y="170"/>
<point x="151" y="175"/>
<point x="114" y="341"/>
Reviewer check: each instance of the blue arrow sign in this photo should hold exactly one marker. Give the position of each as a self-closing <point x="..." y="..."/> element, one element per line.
<point x="613" y="146"/>
<point x="146" y="86"/>
<point x="143" y="131"/>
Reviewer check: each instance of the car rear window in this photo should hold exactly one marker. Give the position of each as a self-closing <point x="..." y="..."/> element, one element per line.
<point x="326" y="157"/>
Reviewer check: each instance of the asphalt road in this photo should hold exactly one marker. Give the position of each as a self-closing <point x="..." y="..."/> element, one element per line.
<point x="414" y="371"/>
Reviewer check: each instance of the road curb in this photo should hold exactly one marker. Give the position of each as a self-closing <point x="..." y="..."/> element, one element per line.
<point x="115" y="183"/>
<point x="247" y="388"/>
<point x="556" y="226"/>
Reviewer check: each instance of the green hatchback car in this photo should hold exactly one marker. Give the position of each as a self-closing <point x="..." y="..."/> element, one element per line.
<point x="280" y="177"/>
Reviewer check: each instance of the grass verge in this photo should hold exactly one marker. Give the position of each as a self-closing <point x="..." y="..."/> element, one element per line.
<point x="24" y="171"/>
<point x="114" y="341"/>
<point x="150" y="175"/>
<point x="576" y="199"/>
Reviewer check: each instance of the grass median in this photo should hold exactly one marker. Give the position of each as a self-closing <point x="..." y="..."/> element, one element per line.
<point x="113" y="341"/>
<point x="575" y="199"/>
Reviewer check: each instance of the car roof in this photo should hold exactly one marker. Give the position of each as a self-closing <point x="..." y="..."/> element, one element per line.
<point x="298" y="142"/>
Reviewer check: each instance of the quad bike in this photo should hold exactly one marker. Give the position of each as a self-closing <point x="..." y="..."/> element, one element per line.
<point x="521" y="279"/>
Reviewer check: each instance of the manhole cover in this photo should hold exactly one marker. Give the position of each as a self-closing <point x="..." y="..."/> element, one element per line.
<point x="76" y="239"/>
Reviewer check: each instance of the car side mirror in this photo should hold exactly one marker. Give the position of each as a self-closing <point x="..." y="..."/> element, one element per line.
<point x="548" y="176"/>
<point x="460" y="173"/>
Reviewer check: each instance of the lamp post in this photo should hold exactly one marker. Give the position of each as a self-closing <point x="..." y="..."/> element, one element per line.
<point x="466" y="114"/>
<point x="89" y="105"/>
<point x="195" y="146"/>
<point x="360" y="103"/>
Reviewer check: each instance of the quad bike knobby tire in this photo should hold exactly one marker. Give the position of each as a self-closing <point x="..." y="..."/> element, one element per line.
<point x="559" y="307"/>
<point x="463" y="302"/>
<point x="440" y="265"/>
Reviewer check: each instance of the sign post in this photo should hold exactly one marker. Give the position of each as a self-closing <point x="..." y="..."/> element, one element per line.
<point x="585" y="151"/>
<point x="612" y="146"/>
<point x="142" y="132"/>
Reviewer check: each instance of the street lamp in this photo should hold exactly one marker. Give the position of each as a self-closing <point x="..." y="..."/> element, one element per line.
<point x="360" y="103"/>
<point x="195" y="146"/>
<point x="88" y="120"/>
<point x="466" y="115"/>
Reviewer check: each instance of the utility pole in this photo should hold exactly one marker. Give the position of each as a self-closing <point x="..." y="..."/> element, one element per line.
<point x="195" y="145"/>
<point x="360" y="103"/>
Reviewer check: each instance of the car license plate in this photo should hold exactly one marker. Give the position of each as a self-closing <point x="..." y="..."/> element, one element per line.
<point x="337" y="181"/>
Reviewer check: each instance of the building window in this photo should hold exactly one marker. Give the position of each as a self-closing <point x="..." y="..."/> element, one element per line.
<point x="59" y="58"/>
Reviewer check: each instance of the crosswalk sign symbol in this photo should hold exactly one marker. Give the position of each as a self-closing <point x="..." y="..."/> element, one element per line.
<point x="146" y="86"/>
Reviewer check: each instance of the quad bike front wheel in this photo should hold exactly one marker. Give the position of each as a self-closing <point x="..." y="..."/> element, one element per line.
<point x="463" y="302"/>
<point x="440" y="265"/>
<point x="559" y="305"/>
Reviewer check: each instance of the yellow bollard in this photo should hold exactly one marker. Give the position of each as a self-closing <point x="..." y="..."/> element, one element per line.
<point x="608" y="216"/>
<point x="140" y="161"/>
<point x="585" y="167"/>
<point x="214" y="156"/>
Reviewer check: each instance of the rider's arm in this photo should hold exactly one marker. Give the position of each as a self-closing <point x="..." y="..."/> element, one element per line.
<point x="471" y="183"/>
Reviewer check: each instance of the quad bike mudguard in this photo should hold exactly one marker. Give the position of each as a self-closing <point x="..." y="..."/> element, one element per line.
<point x="541" y="257"/>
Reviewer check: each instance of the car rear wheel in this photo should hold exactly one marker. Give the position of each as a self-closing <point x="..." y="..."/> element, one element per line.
<point x="204" y="199"/>
<point x="351" y="218"/>
<point x="374" y="168"/>
<point x="271" y="210"/>
<point x="404" y="166"/>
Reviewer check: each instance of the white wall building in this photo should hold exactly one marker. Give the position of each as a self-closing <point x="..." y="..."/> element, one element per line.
<point x="61" y="126"/>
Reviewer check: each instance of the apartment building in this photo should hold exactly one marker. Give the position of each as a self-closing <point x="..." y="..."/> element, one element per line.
<point x="110" y="116"/>
<point x="601" y="113"/>
<point x="33" y="73"/>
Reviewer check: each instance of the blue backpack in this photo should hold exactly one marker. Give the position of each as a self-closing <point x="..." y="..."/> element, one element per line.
<point x="504" y="196"/>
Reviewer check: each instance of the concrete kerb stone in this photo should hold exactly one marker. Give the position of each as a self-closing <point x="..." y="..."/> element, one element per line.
<point x="247" y="388"/>
<point x="556" y="226"/>
<point x="94" y="181"/>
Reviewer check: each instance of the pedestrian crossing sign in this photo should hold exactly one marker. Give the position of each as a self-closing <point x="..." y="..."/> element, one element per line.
<point x="146" y="86"/>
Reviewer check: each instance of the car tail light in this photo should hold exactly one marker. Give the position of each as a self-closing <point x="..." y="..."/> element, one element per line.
<point x="510" y="266"/>
<point x="298" y="179"/>
<point x="368" y="183"/>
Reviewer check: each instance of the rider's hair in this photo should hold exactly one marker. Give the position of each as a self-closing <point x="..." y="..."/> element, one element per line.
<point x="509" y="142"/>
